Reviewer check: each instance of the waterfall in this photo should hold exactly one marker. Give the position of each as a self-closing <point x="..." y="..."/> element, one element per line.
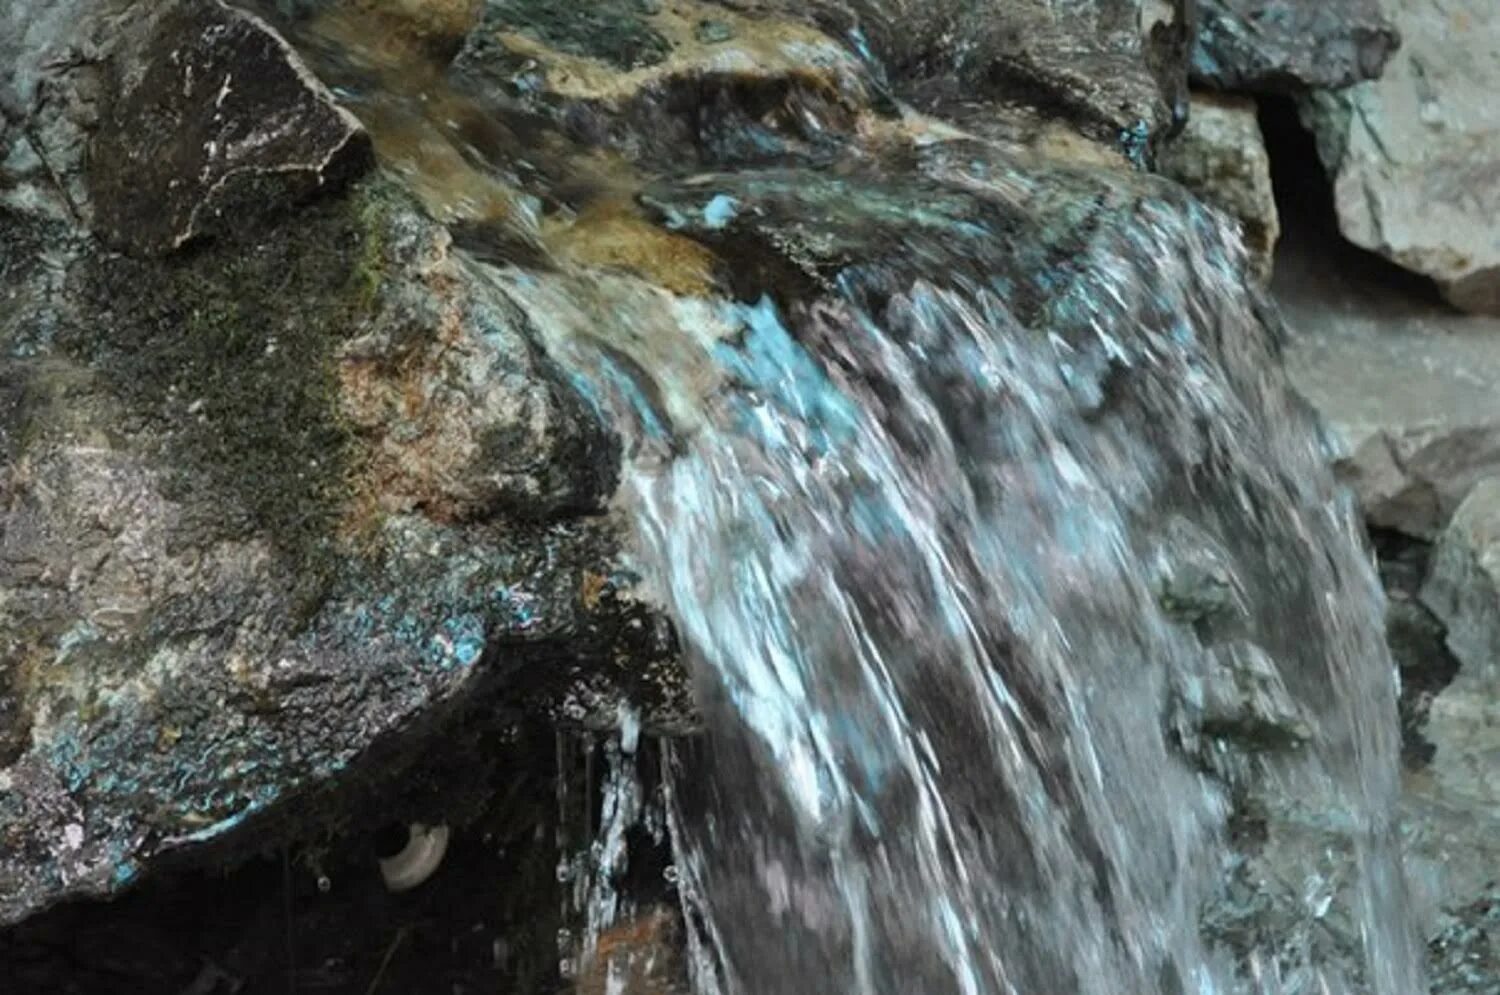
<point x="1038" y="652"/>
<point x="985" y="559"/>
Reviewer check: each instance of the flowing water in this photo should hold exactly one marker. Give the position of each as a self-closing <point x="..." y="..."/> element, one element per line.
<point x="1009" y="570"/>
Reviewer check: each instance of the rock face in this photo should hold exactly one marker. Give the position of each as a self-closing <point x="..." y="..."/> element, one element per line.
<point x="1092" y="63"/>
<point x="1290" y="46"/>
<point x="1221" y="157"/>
<point x="228" y="129"/>
<point x="1405" y="384"/>
<point x="1453" y="830"/>
<point x="1415" y="156"/>
<point x="239" y="551"/>
<point x="257" y="499"/>
<point x="1464" y="592"/>
<point x="49" y="95"/>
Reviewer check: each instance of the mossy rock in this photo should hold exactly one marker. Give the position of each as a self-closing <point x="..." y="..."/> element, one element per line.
<point x="223" y="358"/>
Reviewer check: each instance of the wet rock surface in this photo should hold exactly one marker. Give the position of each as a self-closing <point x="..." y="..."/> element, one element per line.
<point x="1102" y="64"/>
<point x="211" y="122"/>
<point x="1414" y="156"/>
<point x="1289" y="46"/>
<point x="275" y="505"/>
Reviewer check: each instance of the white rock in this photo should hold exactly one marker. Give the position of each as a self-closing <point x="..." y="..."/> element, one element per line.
<point x="1415" y="155"/>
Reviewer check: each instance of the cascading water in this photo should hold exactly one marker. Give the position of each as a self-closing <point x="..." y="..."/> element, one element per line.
<point x="1009" y="569"/>
<point x="966" y="551"/>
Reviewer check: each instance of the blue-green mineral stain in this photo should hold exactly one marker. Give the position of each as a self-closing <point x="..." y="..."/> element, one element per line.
<point x="719" y="211"/>
<point x="1135" y="142"/>
<point x="459" y="642"/>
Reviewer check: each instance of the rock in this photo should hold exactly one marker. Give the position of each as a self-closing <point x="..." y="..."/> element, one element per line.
<point x="1464" y="592"/>
<point x="1289" y="46"/>
<point x="1413" y="155"/>
<point x="1405" y="384"/>
<point x="1091" y="67"/>
<point x="1114" y="68"/>
<point x="643" y="954"/>
<point x="248" y="534"/>
<point x="1221" y="156"/>
<point x="1453" y="800"/>
<point x="49" y="88"/>
<point x="231" y="129"/>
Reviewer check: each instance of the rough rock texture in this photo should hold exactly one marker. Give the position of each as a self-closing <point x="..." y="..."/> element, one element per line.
<point x="1406" y="385"/>
<point x="1221" y="157"/>
<point x="1092" y="61"/>
<point x="1415" y="156"/>
<point x="271" y="509"/>
<point x="232" y="126"/>
<point x="1092" y="64"/>
<point x="1453" y="828"/>
<point x="49" y="94"/>
<point x="1464" y="591"/>
<point x="247" y="536"/>
<point x="1288" y="46"/>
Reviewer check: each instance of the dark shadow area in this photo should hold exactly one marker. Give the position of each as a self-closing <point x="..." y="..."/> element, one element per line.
<point x="1313" y="254"/>
<point x="1417" y="638"/>
<point x="496" y="918"/>
<point x="317" y="917"/>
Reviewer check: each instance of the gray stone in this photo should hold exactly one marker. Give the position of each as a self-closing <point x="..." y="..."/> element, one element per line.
<point x="229" y="127"/>
<point x="1415" y="156"/>
<point x="1288" y="46"/>
<point x="49" y="89"/>
<point x="1464" y="592"/>
<point x="1453" y="801"/>
<point x="1221" y="156"/>
<point x="1406" y="385"/>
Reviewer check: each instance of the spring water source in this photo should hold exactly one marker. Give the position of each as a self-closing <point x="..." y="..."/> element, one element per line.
<point x="1029" y="627"/>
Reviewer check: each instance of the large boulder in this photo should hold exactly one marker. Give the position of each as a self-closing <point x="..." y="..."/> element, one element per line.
<point x="1464" y="592"/>
<point x="1414" y="155"/>
<point x="259" y="500"/>
<point x="1290" y="46"/>
<point x="254" y="526"/>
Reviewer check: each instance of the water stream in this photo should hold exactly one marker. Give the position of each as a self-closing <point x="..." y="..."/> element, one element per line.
<point x="1008" y="569"/>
